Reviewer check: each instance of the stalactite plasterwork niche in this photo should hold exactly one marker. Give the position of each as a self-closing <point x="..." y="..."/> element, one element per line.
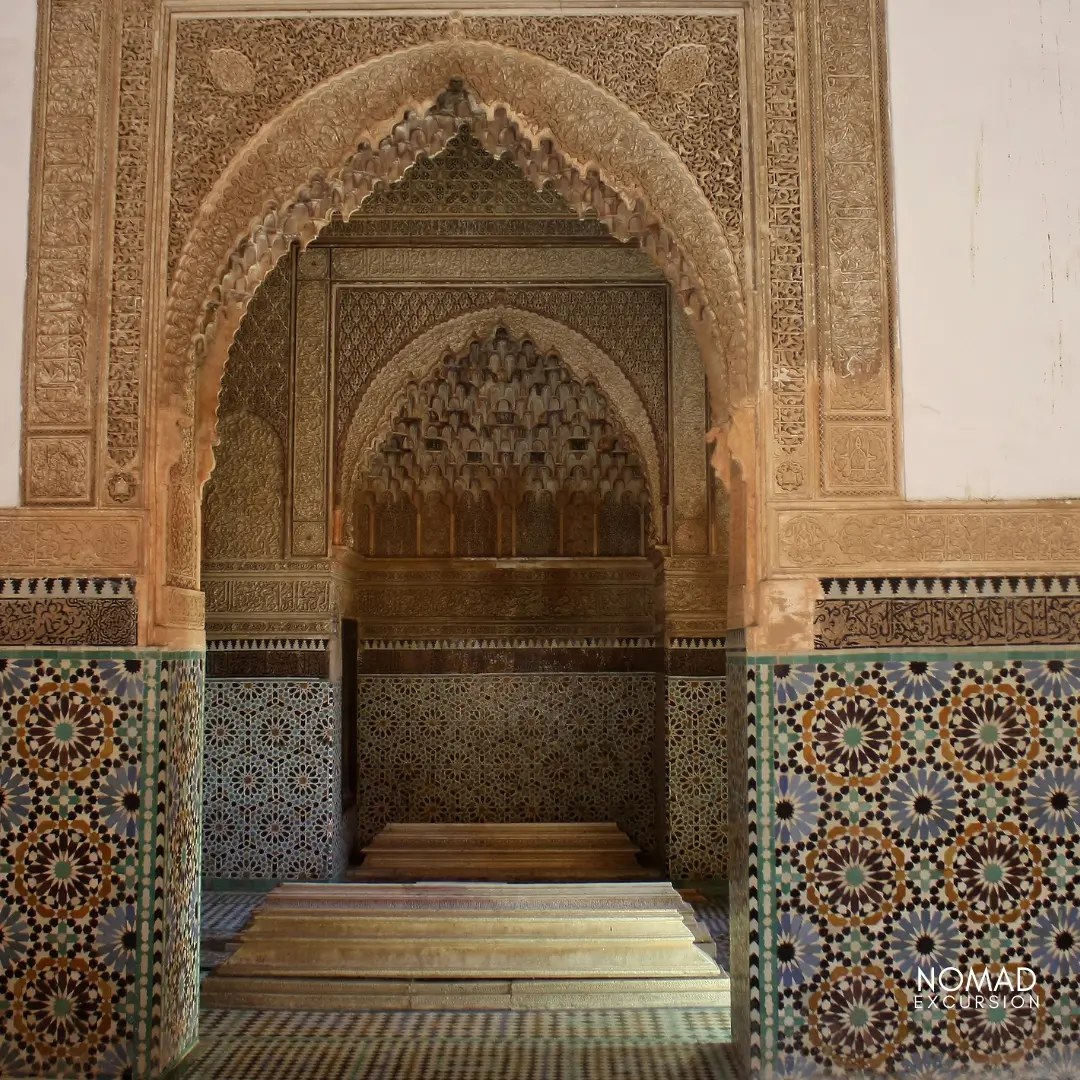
<point x="501" y="451"/>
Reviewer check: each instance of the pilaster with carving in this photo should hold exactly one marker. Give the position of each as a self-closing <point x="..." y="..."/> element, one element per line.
<point x="70" y="198"/>
<point x="310" y="417"/>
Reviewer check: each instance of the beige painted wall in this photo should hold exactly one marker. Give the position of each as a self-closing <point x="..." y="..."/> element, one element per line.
<point x="986" y="138"/>
<point x="18" y="26"/>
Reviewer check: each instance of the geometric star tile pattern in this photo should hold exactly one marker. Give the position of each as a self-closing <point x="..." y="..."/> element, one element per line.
<point x="99" y="764"/>
<point x="915" y="812"/>
<point x="272" y="787"/>
<point x="507" y="747"/>
<point x="697" y="782"/>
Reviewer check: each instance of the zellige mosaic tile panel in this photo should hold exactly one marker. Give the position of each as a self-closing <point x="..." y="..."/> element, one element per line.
<point x="272" y="787"/>
<point x="916" y="812"/>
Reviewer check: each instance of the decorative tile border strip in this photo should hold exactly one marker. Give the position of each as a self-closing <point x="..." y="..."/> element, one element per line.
<point x="383" y="644"/>
<point x="1041" y="585"/>
<point x="291" y="644"/>
<point x="90" y="612"/>
<point x="919" y="612"/>
<point x="36" y="587"/>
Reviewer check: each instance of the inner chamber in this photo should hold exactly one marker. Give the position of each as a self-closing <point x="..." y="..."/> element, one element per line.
<point x="463" y="554"/>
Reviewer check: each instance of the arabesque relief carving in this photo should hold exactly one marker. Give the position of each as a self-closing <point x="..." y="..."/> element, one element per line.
<point x="66" y="234"/>
<point x="498" y="451"/>
<point x="855" y="295"/>
<point x="415" y="361"/>
<point x="101" y="542"/>
<point x="129" y="287"/>
<point x="244" y="501"/>
<point x="818" y="97"/>
<point x="310" y="432"/>
<point x="787" y="313"/>
<point x="704" y="274"/>
<point x="823" y="540"/>
<point x="695" y="119"/>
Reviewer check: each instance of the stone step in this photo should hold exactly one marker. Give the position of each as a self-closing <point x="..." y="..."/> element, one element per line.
<point x="305" y="900"/>
<point x="467" y="958"/>
<point x="489" y="994"/>
<point x="568" y="852"/>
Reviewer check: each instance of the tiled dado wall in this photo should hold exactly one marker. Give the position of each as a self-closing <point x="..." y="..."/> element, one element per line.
<point x="272" y="790"/>
<point x="535" y="746"/>
<point x="697" y="777"/>
<point x="100" y="759"/>
<point x="905" y="810"/>
<point x="549" y="734"/>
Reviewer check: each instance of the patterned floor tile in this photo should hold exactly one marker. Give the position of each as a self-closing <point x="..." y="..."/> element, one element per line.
<point x="647" y="1044"/>
<point x="226" y="913"/>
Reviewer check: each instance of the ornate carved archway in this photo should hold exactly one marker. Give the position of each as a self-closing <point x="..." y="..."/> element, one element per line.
<point x="562" y="128"/>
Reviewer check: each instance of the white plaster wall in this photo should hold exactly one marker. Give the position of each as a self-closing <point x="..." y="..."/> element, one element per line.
<point x="18" y="29"/>
<point x="986" y="141"/>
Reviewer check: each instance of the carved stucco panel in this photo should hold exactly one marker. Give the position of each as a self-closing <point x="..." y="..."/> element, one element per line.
<point x="612" y="264"/>
<point x="127" y="352"/>
<point x="791" y="473"/>
<point x="67" y="229"/>
<point x="310" y="423"/>
<point x="700" y="118"/>
<point x="268" y="595"/>
<point x="592" y="128"/>
<point x="856" y="364"/>
<point x="244" y="501"/>
<point x="689" y="423"/>
<point x="422" y="354"/>
<point x="93" y="541"/>
<point x="58" y="468"/>
<point x="826" y="539"/>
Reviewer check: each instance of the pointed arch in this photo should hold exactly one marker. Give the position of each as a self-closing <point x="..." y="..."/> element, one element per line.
<point x="304" y="167"/>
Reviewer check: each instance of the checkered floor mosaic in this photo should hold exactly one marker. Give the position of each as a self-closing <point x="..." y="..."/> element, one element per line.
<point x="627" y="1044"/>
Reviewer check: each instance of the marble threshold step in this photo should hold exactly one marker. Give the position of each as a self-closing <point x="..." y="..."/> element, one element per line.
<point x="482" y="946"/>
<point x="334" y="995"/>
<point x="302" y="900"/>
<point x="590" y="851"/>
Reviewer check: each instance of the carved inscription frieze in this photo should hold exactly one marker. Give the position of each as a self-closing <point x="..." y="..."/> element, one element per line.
<point x="68" y="611"/>
<point x="511" y="264"/>
<point x="828" y="538"/>
<point x="926" y="623"/>
<point x="447" y="599"/>
<point x="269" y="595"/>
<point x="69" y="543"/>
